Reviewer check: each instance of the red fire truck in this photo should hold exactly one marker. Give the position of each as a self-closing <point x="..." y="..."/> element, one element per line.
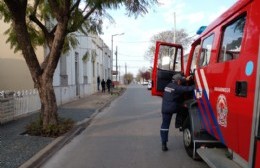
<point x="222" y="121"/>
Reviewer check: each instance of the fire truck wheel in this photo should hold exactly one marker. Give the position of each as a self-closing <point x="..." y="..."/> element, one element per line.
<point x="187" y="137"/>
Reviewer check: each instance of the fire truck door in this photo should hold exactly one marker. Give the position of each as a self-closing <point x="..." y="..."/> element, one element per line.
<point x="168" y="60"/>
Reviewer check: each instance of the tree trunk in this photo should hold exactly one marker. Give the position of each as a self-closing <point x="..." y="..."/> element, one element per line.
<point x="42" y="75"/>
<point x="49" y="114"/>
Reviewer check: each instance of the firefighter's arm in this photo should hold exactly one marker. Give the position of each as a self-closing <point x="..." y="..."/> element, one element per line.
<point x="189" y="78"/>
<point x="186" y="88"/>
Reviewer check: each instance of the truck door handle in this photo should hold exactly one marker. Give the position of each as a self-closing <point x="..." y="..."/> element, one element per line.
<point x="241" y="88"/>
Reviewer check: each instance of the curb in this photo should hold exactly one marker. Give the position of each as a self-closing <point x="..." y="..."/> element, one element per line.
<point x="47" y="152"/>
<point x="43" y="155"/>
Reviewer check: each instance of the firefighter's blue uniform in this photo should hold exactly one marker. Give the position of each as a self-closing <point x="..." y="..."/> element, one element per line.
<point x="171" y="103"/>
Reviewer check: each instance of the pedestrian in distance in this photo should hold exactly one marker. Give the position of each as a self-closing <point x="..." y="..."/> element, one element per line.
<point x="172" y="103"/>
<point x="103" y="85"/>
<point x="98" y="82"/>
<point x="108" y="84"/>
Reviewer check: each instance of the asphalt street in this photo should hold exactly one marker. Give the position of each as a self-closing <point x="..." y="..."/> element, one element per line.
<point x="20" y="149"/>
<point x="125" y="135"/>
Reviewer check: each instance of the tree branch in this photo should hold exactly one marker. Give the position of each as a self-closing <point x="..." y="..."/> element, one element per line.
<point x="35" y="6"/>
<point x="54" y="29"/>
<point x="55" y="9"/>
<point x="23" y="4"/>
<point x="48" y="36"/>
<point x="17" y="8"/>
<point x="76" y="5"/>
<point x="74" y="27"/>
<point x="61" y="14"/>
<point x="56" y="49"/>
<point x="45" y="61"/>
<point x="86" y="7"/>
<point x="66" y="9"/>
<point x="37" y="22"/>
<point x="90" y="12"/>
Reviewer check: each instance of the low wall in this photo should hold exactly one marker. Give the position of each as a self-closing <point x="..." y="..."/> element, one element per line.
<point x="14" y="104"/>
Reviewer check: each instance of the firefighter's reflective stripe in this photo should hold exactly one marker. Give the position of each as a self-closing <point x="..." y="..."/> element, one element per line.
<point x="168" y="89"/>
<point x="164" y="130"/>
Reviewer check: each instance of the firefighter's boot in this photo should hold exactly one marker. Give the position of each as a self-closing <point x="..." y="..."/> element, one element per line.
<point x="164" y="147"/>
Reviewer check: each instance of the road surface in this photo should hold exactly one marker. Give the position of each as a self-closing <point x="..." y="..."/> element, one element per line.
<point x="125" y="135"/>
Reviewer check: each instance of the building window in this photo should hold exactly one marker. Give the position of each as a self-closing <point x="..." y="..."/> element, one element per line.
<point x="232" y="39"/>
<point x="63" y="71"/>
<point x="93" y="68"/>
<point x="85" y="72"/>
<point x="206" y="50"/>
<point x="98" y="73"/>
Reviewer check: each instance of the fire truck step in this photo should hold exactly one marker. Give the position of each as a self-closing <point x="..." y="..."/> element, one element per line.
<point x="216" y="158"/>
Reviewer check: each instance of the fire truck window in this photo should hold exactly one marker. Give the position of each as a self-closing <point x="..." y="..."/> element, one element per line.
<point x="166" y="58"/>
<point x="195" y="58"/>
<point x="232" y="38"/>
<point x="206" y="50"/>
<point x="177" y="66"/>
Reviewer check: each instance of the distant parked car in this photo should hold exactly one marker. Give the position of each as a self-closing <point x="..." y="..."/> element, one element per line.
<point x="149" y="85"/>
<point x="145" y="83"/>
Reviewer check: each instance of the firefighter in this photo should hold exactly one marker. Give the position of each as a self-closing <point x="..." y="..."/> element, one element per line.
<point x="172" y="103"/>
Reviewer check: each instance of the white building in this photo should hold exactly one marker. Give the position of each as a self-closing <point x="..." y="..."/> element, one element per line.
<point x="75" y="76"/>
<point x="77" y="72"/>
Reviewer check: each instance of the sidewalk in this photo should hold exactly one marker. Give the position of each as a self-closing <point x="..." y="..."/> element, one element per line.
<point x="18" y="149"/>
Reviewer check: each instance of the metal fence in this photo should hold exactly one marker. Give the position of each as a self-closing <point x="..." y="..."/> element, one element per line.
<point x="15" y="104"/>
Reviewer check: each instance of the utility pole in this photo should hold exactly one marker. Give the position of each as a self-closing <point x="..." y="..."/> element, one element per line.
<point x="112" y="50"/>
<point x="116" y="64"/>
<point x="126" y="76"/>
<point x="119" y="74"/>
<point x="174" y="31"/>
<point x="112" y="58"/>
<point x="125" y="68"/>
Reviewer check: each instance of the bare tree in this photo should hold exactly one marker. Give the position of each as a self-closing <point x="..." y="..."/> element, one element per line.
<point x="144" y="74"/>
<point x="167" y="36"/>
<point x="128" y="78"/>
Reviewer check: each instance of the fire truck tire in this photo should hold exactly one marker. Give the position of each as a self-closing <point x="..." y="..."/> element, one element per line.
<point x="188" y="137"/>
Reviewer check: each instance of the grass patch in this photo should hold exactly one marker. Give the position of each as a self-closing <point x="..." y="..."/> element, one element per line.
<point x="117" y="91"/>
<point x="36" y="129"/>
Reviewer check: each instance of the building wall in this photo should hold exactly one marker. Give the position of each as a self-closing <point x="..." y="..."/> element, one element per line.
<point x="14" y="73"/>
<point x="76" y="77"/>
<point x="73" y="77"/>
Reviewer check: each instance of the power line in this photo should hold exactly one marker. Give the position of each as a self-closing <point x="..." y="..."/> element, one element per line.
<point x="132" y="66"/>
<point x="130" y="55"/>
<point x="125" y="60"/>
<point x="134" y="42"/>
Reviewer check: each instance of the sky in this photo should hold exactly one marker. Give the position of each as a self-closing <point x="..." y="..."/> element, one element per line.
<point x="132" y="45"/>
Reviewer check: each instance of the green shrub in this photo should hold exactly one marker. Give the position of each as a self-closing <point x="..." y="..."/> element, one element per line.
<point x="36" y="129"/>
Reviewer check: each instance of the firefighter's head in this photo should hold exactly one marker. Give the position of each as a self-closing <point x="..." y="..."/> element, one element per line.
<point x="177" y="78"/>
